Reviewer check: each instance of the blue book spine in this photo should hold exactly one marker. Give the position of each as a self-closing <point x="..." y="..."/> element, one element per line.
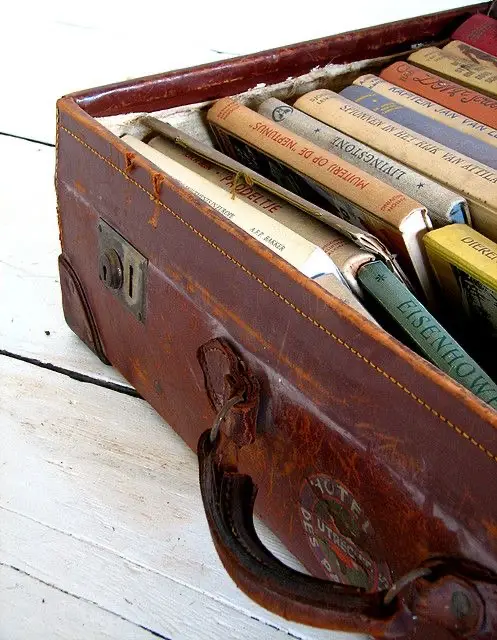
<point x="424" y="125"/>
<point x="401" y="310"/>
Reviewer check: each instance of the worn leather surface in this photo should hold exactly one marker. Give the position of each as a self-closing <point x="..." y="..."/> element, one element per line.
<point x="348" y="417"/>
<point x="459" y="595"/>
<point x="452" y="593"/>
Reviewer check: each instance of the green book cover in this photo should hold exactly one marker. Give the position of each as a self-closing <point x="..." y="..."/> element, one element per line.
<point x="411" y="320"/>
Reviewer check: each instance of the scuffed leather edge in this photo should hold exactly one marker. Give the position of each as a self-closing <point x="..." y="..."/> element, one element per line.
<point x="77" y="310"/>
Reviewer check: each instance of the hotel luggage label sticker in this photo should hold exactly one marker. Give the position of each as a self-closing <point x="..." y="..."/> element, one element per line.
<point x="337" y="529"/>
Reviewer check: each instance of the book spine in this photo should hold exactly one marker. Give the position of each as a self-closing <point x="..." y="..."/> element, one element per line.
<point x="349" y="259"/>
<point x="465" y="266"/>
<point x="467" y="52"/>
<point x="478" y="183"/>
<point x="428" y="127"/>
<point x="429" y="108"/>
<point x="444" y="206"/>
<point x="468" y="250"/>
<point x="260" y="163"/>
<point x="429" y="337"/>
<point x="449" y="94"/>
<point x="308" y="159"/>
<point x="257" y="213"/>
<point x="480" y="31"/>
<point x="466" y="73"/>
<point x="342" y="251"/>
<point x="344" y="254"/>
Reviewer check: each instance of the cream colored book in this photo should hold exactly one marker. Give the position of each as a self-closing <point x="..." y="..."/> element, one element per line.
<point x="476" y="182"/>
<point x="399" y="221"/>
<point x="429" y="108"/>
<point x="344" y="294"/>
<point x="349" y="259"/>
<point x="464" y="72"/>
<point x="465" y="51"/>
<point x="300" y="240"/>
<point x="444" y="206"/>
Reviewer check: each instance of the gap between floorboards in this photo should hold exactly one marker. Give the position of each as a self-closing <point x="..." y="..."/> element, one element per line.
<point x="18" y="137"/>
<point x="75" y="375"/>
<point x="155" y="634"/>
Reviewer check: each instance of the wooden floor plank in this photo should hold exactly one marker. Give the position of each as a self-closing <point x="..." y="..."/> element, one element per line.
<point x="147" y="597"/>
<point x="78" y="50"/>
<point x="32" y="323"/>
<point x="100" y="498"/>
<point x="31" y="609"/>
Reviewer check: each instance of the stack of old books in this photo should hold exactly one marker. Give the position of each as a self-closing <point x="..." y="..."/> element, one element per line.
<point x="385" y="193"/>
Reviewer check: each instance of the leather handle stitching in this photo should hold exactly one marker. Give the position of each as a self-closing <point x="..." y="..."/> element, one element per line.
<point x="428" y="407"/>
<point x="234" y="530"/>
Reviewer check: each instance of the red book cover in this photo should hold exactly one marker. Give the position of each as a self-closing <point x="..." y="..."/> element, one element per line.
<point x="480" y="31"/>
<point x="454" y="96"/>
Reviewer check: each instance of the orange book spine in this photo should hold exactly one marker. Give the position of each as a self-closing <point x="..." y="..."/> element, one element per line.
<point x="327" y="169"/>
<point x="446" y="93"/>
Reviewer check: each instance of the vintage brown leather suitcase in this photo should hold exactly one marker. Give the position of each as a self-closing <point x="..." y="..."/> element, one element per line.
<point x="375" y="469"/>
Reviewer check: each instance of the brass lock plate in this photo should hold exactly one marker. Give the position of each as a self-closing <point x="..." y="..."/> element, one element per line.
<point x="122" y="269"/>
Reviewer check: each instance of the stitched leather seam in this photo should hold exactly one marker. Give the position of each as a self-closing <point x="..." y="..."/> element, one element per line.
<point x="329" y="333"/>
<point x="229" y="513"/>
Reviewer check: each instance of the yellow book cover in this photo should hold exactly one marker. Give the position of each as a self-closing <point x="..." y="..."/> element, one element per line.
<point x="465" y="265"/>
<point x="469" y="74"/>
<point x="472" y="54"/>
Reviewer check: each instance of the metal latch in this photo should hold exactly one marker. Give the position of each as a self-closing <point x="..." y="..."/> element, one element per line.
<point x="122" y="269"/>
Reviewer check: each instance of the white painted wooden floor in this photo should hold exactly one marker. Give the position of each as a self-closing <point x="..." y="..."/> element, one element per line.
<point x="102" y="533"/>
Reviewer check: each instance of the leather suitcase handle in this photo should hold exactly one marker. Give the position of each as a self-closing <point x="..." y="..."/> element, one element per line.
<point x="228" y="499"/>
<point x="453" y="594"/>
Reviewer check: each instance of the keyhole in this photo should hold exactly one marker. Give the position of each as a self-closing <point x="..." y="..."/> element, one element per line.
<point x="111" y="272"/>
<point x="130" y="288"/>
